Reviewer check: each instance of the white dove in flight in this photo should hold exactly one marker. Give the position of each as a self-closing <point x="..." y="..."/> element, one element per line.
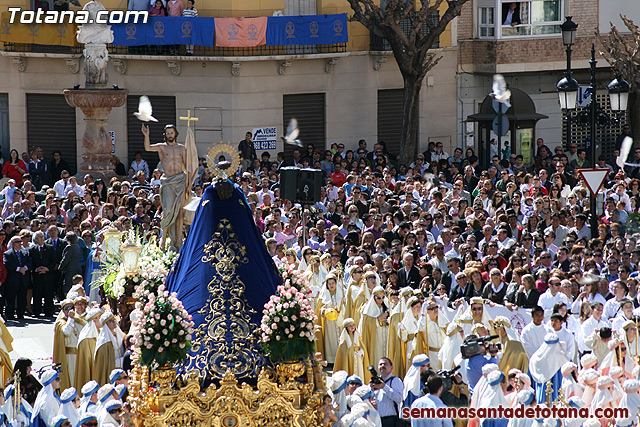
<point x="500" y="92"/>
<point x="145" y="110"/>
<point x="625" y="149"/>
<point x="292" y="134"/>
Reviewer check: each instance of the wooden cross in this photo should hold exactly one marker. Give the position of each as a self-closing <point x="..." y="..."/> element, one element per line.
<point x="189" y="119"/>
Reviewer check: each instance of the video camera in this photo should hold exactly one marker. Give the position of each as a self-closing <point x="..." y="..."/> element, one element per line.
<point x="447" y="377"/>
<point x="375" y="378"/>
<point x="474" y="345"/>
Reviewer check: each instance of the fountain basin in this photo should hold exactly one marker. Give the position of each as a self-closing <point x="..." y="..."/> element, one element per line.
<point x="97" y="147"/>
<point x="96" y="98"/>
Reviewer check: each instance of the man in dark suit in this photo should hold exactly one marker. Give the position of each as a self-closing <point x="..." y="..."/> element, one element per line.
<point x="449" y="278"/>
<point x="459" y="291"/>
<point x="43" y="259"/>
<point x="18" y="264"/>
<point x="58" y="247"/>
<point x="408" y="275"/>
<point x="71" y="262"/>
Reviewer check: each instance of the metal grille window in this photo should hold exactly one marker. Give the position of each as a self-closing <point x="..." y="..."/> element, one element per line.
<point x="380" y="44"/>
<point x="390" y="118"/>
<point x="51" y="124"/>
<point x="309" y="111"/>
<point x="164" y="109"/>
<point x="606" y="133"/>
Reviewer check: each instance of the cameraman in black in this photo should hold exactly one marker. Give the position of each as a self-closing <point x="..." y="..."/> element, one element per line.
<point x="473" y="365"/>
<point x="450" y="399"/>
<point x="387" y="391"/>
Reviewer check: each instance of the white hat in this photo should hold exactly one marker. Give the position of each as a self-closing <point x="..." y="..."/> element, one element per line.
<point x="113" y="404"/>
<point x="628" y="324"/>
<point x="631" y="386"/>
<point x="420" y="360"/>
<point x="90" y="388"/>
<point x="115" y="374"/>
<point x="495" y="377"/>
<point x="568" y="367"/>
<point x="59" y="419"/>
<point x="591" y="422"/>
<point x="615" y="371"/>
<point x="105" y="317"/>
<point x="48" y="377"/>
<point x="93" y="313"/>
<point x="121" y="389"/>
<point x="363" y="392"/>
<point x="524" y="397"/>
<point x="589" y="375"/>
<point x="378" y="289"/>
<point x="88" y="416"/>
<point x="588" y="361"/>
<point x="604" y="381"/>
<point x="576" y="402"/>
<point x="348" y="321"/>
<point x="488" y="368"/>
<point x="339" y="381"/>
<point x="406" y="291"/>
<point x="514" y="371"/>
<point x="105" y="392"/>
<point x="353" y="400"/>
<point x="68" y="395"/>
<point x="354" y="378"/>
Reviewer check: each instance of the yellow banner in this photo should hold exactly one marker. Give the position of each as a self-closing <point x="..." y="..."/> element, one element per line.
<point x="49" y="34"/>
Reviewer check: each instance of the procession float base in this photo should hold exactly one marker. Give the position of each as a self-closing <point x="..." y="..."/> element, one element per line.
<point x="288" y="396"/>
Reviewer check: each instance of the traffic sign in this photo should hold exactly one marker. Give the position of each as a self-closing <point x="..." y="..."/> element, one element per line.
<point x="594" y="178"/>
<point x="495" y="126"/>
<point x="499" y="107"/>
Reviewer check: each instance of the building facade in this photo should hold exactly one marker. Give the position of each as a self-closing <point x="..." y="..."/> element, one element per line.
<point x="524" y="43"/>
<point x="339" y="93"/>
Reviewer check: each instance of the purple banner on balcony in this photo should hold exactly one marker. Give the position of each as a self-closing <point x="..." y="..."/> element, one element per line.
<point x="307" y="30"/>
<point x="165" y="31"/>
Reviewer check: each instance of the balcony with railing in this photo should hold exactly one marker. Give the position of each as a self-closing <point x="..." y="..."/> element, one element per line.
<point x="197" y="37"/>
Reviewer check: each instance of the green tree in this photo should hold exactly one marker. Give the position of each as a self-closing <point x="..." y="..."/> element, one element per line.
<point x="410" y="49"/>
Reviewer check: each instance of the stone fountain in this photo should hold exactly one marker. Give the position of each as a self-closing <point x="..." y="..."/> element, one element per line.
<point x="95" y="100"/>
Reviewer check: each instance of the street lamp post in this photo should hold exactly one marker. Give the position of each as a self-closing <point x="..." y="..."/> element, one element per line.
<point x="568" y="96"/>
<point x="569" y="85"/>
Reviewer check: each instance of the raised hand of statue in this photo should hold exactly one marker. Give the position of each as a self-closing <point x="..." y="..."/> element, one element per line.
<point x="224" y="189"/>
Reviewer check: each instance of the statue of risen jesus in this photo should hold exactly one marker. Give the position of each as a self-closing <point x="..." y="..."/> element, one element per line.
<point x="174" y="185"/>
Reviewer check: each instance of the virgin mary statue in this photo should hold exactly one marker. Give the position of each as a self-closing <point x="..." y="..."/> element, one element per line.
<point x="224" y="276"/>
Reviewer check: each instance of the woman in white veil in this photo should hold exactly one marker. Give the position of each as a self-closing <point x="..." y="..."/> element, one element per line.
<point x="330" y="312"/>
<point x="306" y="252"/>
<point x="408" y="330"/>
<point x="316" y="274"/>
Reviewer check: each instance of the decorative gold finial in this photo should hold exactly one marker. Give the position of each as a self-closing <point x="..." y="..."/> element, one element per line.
<point x="189" y="119"/>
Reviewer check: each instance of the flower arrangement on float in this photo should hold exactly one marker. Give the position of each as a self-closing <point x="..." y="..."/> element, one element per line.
<point x="288" y="330"/>
<point x="162" y="328"/>
<point x="153" y="265"/>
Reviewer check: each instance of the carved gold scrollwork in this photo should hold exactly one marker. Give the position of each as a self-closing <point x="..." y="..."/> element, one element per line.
<point x="230" y="405"/>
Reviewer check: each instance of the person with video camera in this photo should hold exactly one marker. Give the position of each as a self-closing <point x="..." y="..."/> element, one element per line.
<point x="387" y="391"/>
<point x="435" y="388"/>
<point x="478" y="350"/>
